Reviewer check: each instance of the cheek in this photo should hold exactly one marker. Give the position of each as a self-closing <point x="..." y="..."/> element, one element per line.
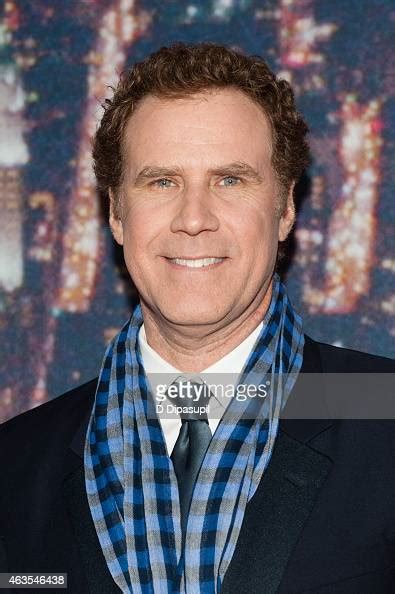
<point x="139" y="230"/>
<point x="258" y="234"/>
<point x="144" y="234"/>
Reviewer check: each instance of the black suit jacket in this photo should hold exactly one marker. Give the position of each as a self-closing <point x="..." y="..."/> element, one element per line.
<point x="322" y="520"/>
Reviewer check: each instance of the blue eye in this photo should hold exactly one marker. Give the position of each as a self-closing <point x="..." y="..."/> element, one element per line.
<point x="230" y="180"/>
<point x="163" y="183"/>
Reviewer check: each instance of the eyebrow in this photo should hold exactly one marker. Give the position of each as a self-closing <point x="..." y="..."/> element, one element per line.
<point x="237" y="168"/>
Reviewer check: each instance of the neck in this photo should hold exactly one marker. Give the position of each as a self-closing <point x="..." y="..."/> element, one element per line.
<point x="194" y="349"/>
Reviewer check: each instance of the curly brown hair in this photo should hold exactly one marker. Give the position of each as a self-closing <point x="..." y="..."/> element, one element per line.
<point x="182" y="70"/>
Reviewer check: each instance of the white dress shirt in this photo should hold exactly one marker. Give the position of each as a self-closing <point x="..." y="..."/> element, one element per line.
<point x="233" y="363"/>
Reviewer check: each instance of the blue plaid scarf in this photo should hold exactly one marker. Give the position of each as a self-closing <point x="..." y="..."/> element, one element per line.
<point x="130" y="480"/>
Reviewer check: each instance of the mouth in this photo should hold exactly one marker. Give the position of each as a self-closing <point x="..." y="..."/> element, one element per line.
<point x="205" y="262"/>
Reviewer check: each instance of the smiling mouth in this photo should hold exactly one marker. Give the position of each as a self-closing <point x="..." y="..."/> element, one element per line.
<point x="195" y="262"/>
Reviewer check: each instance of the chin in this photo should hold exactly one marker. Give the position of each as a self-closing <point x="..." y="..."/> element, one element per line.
<point x="197" y="314"/>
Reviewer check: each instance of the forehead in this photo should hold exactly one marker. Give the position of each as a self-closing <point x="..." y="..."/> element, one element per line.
<point x="222" y="123"/>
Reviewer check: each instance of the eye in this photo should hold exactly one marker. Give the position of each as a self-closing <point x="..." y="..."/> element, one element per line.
<point x="163" y="183"/>
<point x="230" y="181"/>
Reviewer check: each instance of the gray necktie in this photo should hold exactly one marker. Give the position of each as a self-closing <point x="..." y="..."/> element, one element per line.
<point x="190" y="447"/>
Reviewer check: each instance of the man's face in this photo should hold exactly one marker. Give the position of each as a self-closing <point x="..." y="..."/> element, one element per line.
<point x="198" y="217"/>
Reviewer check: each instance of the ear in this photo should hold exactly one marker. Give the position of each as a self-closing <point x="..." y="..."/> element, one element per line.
<point x="288" y="216"/>
<point x="115" y="221"/>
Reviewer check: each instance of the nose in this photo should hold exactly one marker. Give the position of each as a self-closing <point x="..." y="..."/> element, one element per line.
<point x="195" y="213"/>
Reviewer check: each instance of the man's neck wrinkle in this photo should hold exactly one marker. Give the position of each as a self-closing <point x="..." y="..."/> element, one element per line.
<point x="193" y="354"/>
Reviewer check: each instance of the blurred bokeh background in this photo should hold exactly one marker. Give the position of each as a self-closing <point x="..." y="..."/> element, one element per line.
<point x="63" y="293"/>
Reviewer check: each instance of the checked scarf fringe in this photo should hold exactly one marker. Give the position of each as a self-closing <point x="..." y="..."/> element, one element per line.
<point x="130" y="481"/>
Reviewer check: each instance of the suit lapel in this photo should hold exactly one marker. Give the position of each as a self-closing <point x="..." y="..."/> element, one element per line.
<point x="275" y="516"/>
<point x="97" y="574"/>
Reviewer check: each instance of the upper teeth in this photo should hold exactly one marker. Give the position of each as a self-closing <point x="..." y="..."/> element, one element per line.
<point x="196" y="263"/>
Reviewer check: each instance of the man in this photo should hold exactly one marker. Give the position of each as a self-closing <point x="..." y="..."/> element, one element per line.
<point x="198" y="152"/>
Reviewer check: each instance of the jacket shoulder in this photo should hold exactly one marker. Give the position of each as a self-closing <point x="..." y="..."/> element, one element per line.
<point x="55" y="420"/>
<point x="339" y="359"/>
